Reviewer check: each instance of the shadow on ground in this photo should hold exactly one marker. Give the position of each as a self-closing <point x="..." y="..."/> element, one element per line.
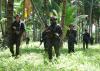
<point x="91" y="52"/>
<point x="31" y="50"/>
<point x="65" y="50"/>
<point x="88" y="52"/>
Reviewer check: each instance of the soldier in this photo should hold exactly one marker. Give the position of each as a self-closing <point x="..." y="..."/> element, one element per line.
<point x="55" y="32"/>
<point x="71" y="36"/>
<point x="17" y="29"/>
<point x="86" y="39"/>
<point x="45" y="38"/>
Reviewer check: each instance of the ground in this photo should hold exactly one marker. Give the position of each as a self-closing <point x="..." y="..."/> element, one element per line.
<point x="33" y="59"/>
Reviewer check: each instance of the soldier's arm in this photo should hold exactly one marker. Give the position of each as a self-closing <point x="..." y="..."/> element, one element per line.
<point x="60" y="32"/>
<point x="42" y="37"/>
<point x="89" y="37"/>
<point x="75" y="37"/>
<point x="22" y="29"/>
<point x="75" y="33"/>
<point x="13" y="27"/>
<point x="59" y="29"/>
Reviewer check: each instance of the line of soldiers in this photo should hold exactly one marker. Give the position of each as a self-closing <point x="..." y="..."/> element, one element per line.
<point x="51" y="37"/>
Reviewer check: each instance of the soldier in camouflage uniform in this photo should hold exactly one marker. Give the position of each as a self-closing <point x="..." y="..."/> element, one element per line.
<point x="55" y="37"/>
<point x="17" y="29"/>
<point x="71" y="37"/>
<point x="86" y="39"/>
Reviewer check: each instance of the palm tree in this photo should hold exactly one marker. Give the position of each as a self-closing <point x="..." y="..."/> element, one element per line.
<point x="0" y="8"/>
<point x="90" y="17"/>
<point x="1" y="25"/>
<point x="63" y="13"/>
<point x="10" y="6"/>
<point x="5" y="8"/>
<point x="46" y="2"/>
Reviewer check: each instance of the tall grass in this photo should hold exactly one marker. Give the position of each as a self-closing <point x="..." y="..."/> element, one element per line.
<point x="33" y="58"/>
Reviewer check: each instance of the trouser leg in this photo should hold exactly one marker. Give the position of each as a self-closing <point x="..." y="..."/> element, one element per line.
<point x="11" y="45"/>
<point x="72" y="47"/>
<point x="83" y="45"/>
<point x="69" y="47"/>
<point x="45" y="47"/>
<point x="12" y="50"/>
<point x="49" y="49"/>
<point x="56" y="48"/>
<point x="87" y="45"/>
<point x="17" y="47"/>
<point x="50" y="52"/>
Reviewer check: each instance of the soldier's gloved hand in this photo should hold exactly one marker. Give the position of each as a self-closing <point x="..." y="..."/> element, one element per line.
<point x="56" y="34"/>
<point x="14" y="27"/>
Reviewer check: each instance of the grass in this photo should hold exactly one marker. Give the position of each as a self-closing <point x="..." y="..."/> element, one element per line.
<point x="32" y="59"/>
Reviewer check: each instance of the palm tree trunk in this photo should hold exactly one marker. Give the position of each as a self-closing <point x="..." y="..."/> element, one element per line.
<point x="0" y="17"/>
<point x="90" y="18"/>
<point x="10" y="6"/>
<point x="5" y="8"/>
<point x="0" y="8"/>
<point x="5" y="25"/>
<point x="99" y="29"/>
<point x="63" y="13"/>
<point x="63" y="20"/>
<point x="46" y="11"/>
<point x="98" y="32"/>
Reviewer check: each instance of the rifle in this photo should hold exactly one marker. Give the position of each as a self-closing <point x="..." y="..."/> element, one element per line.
<point x="41" y="41"/>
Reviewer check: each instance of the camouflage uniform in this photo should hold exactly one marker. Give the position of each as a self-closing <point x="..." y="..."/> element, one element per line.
<point x="71" y="36"/>
<point x="17" y="29"/>
<point x="55" y="32"/>
<point x="86" y="39"/>
<point x="53" y="38"/>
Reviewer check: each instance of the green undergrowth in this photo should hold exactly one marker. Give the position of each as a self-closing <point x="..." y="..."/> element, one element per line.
<point x="33" y="58"/>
